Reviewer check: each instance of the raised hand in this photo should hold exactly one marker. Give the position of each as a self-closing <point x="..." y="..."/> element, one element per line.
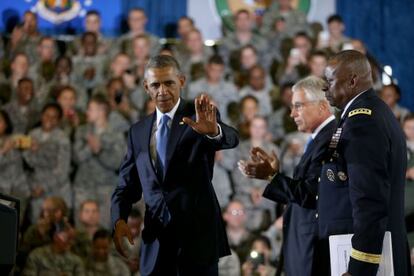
<point x="206" y="120"/>
<point x="94" y="143"/>
<point x="261" y="165"/>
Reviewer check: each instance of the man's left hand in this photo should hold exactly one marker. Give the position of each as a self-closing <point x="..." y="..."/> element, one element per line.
<point x="206" y="120"/>
<point x="346" y="274"/>
<point x="261" y="165"/>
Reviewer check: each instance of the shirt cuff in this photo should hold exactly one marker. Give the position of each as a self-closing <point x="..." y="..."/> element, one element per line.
<point x="270" y="178"/>
<point x="218" y="136"/>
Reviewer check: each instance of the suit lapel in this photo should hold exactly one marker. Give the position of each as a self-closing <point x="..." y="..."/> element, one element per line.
<point x="304" y="160"/>
<point x="306" y="157"/>
<point x="148" y="125"/>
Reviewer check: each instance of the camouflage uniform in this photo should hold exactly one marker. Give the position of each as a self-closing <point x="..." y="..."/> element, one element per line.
<point x="81" y="94"/>
<point x="222" y="94"/>
<point x="28" y="45"/>
<point x="51" y="166"/>
<point x="194" y="69"/>
<point x="12" y="177"/>
<point x="7" y="90"/>
<point x="120" y="123"/>
<point x="42" y="84"/>
<point x="96" y="174"/>
<point x="23" y="117"/>
<point x="81" y="63"/>
<point x="83" y="243"/>
<point x="231" y="44"/>
<point x="114" y="266"/>
<point x="43" y="261"/>
<point x="243" y="186"/>
<point x="104" y="45"/>
<point x="33" y="239"/>
<point x="124" y="44"/>
<point x="295" y="21"/>
<point x="263" y="96"/>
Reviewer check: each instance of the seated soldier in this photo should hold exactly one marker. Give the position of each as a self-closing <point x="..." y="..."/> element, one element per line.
<point x="87" y="225"/>
<point x="49" y="158"/>
<point x="100" y="262"/>
<point x="98" y="151"/>
<point x="23" y="109"/>
<point x="55" y="258"/>
<point x="258" y="262"/>
<point x="260" y="212"/>
<point x="239" y="237"/>
<point x="54" y="210"/>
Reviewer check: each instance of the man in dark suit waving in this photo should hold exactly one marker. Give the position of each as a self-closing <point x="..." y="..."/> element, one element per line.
<point x="170" y="161"/>
<point x="312" y="114"/>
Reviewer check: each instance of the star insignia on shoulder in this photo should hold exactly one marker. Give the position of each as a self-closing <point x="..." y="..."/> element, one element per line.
<point x="357" y="111"/>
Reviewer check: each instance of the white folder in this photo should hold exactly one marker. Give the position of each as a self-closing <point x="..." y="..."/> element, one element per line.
<point x="340" y="250"/>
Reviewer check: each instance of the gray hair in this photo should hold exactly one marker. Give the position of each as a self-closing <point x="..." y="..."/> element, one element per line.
<point x="163" y="61"/>
<point x="313" y="88"/>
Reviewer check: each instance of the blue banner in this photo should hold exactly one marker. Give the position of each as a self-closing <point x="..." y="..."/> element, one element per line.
<point x="62" y="16"/>
<point x="67" y="16"/>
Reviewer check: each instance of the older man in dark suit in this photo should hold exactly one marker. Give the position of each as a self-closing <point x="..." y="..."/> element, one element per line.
<point x="170" y="161"/>
<point x="312" y="114"/>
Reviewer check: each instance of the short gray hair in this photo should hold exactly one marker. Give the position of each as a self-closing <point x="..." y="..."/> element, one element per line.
<point x="312" y="87"/>
<point x="163" y="61"/>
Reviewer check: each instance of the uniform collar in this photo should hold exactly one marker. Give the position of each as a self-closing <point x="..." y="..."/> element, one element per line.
<point x="170" y="114"/>
<point x="350" y="102"/>
<point x="321" y="126"/>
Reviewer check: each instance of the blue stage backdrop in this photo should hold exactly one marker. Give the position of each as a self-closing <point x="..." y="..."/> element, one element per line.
<point x="66" y="16"/>
<point x="385" y="26"/>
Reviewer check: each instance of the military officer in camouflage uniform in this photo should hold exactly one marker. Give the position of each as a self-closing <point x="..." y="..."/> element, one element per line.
<point x="295" y="20"/>
<point x="136" y="23"/>
<point x="26" y="37"/>
<point x="101" y="262"/>
<point x="221" y="91"/>
<point x="23" y="110"/>
<point x="242" y="36"/>
<point x="12" y="177"/>
<point x="98" y="151"/>
<point x="49" y="156"/>
<point x="19" y="67"/>
<point x="55" y="258"/>
<point x="89" y="65"/>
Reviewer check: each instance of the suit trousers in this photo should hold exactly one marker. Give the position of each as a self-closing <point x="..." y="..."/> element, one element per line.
<point x="172" y="262"/>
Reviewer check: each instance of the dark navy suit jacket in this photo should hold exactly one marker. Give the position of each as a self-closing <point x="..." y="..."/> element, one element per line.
<point x="362" y="183"/>
<point x="300" y="224"/>
<point x="184" y="202"/>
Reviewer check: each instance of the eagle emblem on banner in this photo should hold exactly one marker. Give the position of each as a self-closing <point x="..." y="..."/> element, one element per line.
<point x="58" y="11"/>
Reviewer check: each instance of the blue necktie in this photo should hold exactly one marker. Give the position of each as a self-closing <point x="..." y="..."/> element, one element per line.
<point x="308" y="144"/>
<point x="162" y="141"/>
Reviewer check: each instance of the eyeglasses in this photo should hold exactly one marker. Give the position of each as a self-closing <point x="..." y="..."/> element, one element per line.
<point x="298" y="106"/>
<point x="236" y="212"/>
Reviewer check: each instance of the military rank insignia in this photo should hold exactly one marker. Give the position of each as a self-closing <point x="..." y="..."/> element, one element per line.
<point x="357" y="111"/>
<point x="335" y="138"/>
